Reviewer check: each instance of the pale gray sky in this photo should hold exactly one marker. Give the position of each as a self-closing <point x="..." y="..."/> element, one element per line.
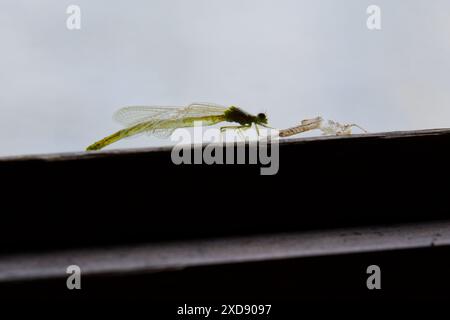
<point x="294" y="59"/>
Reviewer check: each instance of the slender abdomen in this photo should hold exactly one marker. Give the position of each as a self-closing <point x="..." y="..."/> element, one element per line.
<point x="151" y="126"/>
<point x="118" y="136"/>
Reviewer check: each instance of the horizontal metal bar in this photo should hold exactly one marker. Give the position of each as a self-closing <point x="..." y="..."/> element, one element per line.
<point x="69" y="156"/>
<point x="159" y="257"/>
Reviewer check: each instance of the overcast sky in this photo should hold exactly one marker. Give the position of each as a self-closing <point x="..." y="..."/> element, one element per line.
<point x="294" y="59"/>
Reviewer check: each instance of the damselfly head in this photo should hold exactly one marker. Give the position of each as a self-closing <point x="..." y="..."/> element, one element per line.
<point x="261" y="118"/>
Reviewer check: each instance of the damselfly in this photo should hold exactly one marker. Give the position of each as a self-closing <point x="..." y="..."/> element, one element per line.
<point x="162" y="121"/>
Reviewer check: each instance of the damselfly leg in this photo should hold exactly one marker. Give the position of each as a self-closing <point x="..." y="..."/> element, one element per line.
<point x="239" y="129"/>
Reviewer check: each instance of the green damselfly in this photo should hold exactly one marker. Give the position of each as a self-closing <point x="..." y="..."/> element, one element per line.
<point x="162" y="121"/>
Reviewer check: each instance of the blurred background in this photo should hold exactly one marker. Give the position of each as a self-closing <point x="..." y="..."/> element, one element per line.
<point x="294" y="59"/>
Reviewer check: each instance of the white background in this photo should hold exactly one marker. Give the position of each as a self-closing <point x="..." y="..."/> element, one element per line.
<point x="294" y="59"/>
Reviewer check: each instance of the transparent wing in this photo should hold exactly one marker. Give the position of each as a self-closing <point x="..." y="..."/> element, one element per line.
<point x="159" y="127"/>
<point x="162" y="133"/>
<point x="199" y="109"/>
<point x="130" y="116"/>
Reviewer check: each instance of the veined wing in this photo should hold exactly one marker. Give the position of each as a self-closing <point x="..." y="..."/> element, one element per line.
<point x="200" y="109"/>
<point x="134" y="115"/>
<point x="159" y="128"/>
